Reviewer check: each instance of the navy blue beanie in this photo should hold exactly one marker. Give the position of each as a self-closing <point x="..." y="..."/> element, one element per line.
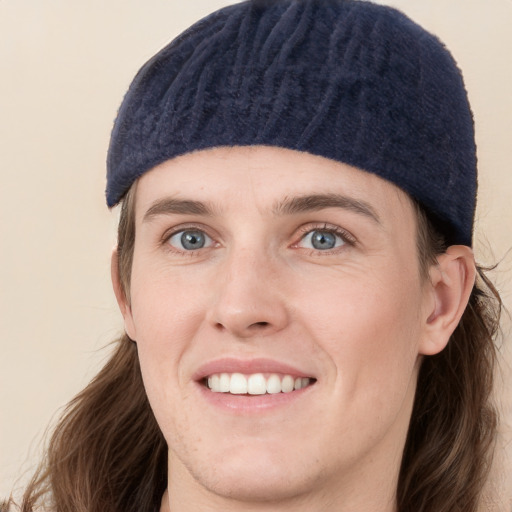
<point x="348" y="80"/>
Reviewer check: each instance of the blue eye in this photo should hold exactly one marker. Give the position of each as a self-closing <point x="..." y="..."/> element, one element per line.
<point x="190" y="240"/>
<point x="322" y="240"/>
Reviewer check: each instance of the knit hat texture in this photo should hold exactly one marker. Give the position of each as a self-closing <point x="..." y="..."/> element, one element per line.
<point x="348" y="80"/>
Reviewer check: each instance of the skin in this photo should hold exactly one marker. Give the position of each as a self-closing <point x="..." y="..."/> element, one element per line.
<point x="357" y="317"/>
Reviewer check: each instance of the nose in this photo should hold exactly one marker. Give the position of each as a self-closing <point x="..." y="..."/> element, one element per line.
<point x="249" y="300"/>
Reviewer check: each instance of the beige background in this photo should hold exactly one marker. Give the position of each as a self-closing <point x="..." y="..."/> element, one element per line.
<point x="65" y="65"/>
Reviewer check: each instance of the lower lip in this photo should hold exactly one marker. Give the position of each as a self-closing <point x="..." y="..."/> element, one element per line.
<point x="250" y="404"/>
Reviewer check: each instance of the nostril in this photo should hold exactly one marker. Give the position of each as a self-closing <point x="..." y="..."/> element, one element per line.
<point x="260" y="324"/>
<point x="255" y="326"/>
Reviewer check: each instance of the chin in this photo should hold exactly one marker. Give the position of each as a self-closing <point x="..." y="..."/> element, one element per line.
<point x="255" y="475"/>
<point x="267" y="485"/>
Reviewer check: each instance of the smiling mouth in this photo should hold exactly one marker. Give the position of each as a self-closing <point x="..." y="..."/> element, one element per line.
<point x="256" y="383"/>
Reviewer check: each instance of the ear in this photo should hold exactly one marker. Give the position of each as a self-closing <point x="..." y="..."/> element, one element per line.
<point x="451" y="283"/>
<point x="122" y="300"/>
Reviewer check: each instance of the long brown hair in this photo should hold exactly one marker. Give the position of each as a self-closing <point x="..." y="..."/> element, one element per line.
<point x="453" y="426"/>
<point x="107" y="453"/>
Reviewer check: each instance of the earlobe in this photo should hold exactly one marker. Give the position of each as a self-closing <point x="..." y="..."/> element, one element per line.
<point x="451" y="281"/>
<point x="122" y="300"/>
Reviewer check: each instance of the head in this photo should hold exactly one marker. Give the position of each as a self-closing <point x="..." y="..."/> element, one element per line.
<point x="262" y="127"/>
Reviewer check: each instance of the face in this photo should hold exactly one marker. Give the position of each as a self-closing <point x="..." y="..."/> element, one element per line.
<point x="278" y="310"/>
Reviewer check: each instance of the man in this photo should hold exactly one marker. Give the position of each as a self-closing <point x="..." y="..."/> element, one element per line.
<point x="294" y="264"/>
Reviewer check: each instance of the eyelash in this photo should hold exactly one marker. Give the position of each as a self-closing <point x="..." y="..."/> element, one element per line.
<point x="347" y="237"/>
<point x="180" y="229"/>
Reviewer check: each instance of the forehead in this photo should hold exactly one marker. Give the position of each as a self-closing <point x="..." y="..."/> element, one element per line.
<point x="230" y="179"/>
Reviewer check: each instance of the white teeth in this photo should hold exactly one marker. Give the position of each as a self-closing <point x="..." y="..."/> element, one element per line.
<point x="273" y="384"/>
<point x="213" y="382"/>
<point x="238" y="384"/>
<point x="287" y="384"/>
<point x="224" y="383"/>
<point x="255" y="384"/>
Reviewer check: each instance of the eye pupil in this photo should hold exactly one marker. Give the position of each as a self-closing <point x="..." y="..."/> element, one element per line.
<point x="193" y="240"/>
<point x="323" y="240"/>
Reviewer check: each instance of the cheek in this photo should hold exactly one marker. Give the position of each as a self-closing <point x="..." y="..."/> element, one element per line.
<point x="166" y="314"/>
<point x="165" y="305"/>
<point x="369" y="327"/>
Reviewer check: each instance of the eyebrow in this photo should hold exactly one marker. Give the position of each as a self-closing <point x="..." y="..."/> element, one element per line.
<point x="169" y="206"/>
<point x="315" y="202"/>
<point x="288" y="206"/>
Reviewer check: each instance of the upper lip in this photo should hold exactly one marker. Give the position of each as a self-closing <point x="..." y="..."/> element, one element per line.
<point x="247" y="367"/>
